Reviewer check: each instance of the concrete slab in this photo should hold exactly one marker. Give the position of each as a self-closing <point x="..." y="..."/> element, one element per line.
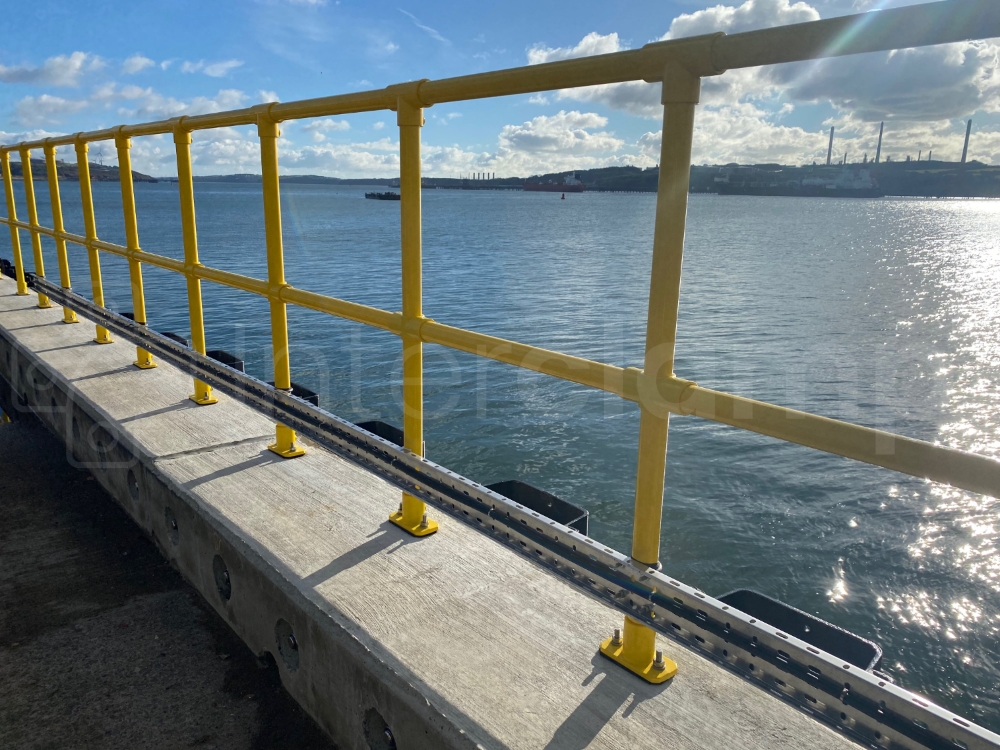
<point x="454" y="640"/>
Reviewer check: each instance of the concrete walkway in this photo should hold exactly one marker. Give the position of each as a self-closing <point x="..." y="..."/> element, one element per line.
<point x="102" y="644"/>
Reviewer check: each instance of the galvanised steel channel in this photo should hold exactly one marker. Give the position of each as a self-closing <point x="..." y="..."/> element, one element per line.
<point x="863" y="704"/>
<point x="678" y="66"/>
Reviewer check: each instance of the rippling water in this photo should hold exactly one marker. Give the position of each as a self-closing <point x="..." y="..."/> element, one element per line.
<point x="886" y="313"/>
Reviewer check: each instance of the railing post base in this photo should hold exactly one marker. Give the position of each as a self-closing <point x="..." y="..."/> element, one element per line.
<point x="412" y="517"/>
<point x="69" y="316"/>
<point x="203" y="399"/>
<point x="145" y="364"/>
<point x="103" y="337"/>
<point x="636" y="651"/>
<point x="285" y="445"/>
<point x="43" y="302"/>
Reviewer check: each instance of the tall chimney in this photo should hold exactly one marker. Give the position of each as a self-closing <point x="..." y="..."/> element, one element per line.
<point x="878" y="153"/>
<point x="965" y="151"/>
<point x="829" y="151"/>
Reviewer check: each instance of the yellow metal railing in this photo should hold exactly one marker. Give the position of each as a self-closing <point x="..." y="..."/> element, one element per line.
<point x="678" y="65"/>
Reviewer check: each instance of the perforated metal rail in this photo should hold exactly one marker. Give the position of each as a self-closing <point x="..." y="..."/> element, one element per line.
<point x="678" y="66"/>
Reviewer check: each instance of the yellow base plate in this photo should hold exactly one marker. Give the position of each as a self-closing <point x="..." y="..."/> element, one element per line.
<point x="416" y="529"/>
<point x="67" y="322"/>
<point x="204" y="401"/>
<point x="645" y="670"/>
<point x="104" y="341"/>
<point x="289" y="453"/>
<point x="145" y="365"/>
<point x="45" y="307"/>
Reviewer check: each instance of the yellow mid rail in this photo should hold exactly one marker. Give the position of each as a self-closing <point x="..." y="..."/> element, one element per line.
<point x="679" y="66"/>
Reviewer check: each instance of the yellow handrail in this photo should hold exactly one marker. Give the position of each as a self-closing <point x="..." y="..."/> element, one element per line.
<point x="679" y="66"/>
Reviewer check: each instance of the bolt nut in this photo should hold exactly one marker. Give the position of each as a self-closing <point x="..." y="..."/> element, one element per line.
<point x="616" y="640"/>
<point x="292" y="643"/>
<point x="423" y="522"/>
<point x="658" y="662"/>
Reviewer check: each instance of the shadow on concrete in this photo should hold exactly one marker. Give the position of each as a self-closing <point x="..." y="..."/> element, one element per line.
<point x="94" y="376"/>
<point x="377" y="542"/>
<point x="61" y="348"/>
<point x="37" y="325"/>
<point x="617" y="690"/>
<point x="180" y="406"/>
<point x="261" y="459"/>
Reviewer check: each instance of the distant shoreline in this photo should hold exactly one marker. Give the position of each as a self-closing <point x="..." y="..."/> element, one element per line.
<point x="915" y="179"/>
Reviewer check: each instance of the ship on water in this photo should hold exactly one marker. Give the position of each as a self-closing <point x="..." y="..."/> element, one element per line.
<point x="570" y="184"/>
<point x="850" y="183"/>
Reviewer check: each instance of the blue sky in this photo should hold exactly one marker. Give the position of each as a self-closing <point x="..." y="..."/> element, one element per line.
<point x="68" y="66"/>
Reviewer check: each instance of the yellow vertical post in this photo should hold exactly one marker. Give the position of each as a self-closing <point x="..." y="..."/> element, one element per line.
<point x="412" y="513"/>
<point x="267" y="129"/>
<point x="15" y="237"/>
<point x="36" y="236"/>
<point x="185" y="182"/>
<point x="635" y="647"/>
<point x="144" y="360"/>
<point x="90" y="229"/>
<point x="57" y="224"/>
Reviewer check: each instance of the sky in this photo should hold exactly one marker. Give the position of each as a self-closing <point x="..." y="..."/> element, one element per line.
<point x="70" y="66"/>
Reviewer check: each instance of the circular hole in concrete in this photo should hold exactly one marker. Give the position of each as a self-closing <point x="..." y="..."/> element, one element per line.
<point x="222" y="581"/>
<point x="133" y="486"/>
<point x="377" y="732"/>
<point x="172" y="531"/>
<point x="288" y="646"/>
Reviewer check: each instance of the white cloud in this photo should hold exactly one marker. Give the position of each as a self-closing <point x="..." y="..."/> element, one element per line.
<point x="432" y="33"/>
<point x="319" y="128"/>
<point x="220" y="69"/>
<point x="934" y="85"/>
<point x="753" y="14"/>
<point x="45" y="108"/>
<point x="930" y="83"/>
<point x="267" y="96"/>
<point x="327" y="124"/>
<point x="592" y="44"/>
<point x="157" y="106"/>
<point x="378" y="125"/>
<point x="62" y="70"/>
<point x="565" y="132"/>
<point x="167" y="63"/>
<point x="35" y="134"/>
<point x="215" y="70"/>
<point x="135" y="63"/>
